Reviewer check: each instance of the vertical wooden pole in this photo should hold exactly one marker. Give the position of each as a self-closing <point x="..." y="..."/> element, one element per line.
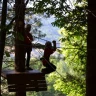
<point x="19" y="42"/>
<point x="2" y="35"/>
<point x="91" y="50"/>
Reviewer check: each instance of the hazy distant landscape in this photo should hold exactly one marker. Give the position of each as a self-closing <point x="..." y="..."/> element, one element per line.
<point x="50" y="31"/>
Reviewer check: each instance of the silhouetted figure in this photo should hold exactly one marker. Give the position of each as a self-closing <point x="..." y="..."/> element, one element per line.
<point x="45" y="60"/>
<point x="28" y="45"/>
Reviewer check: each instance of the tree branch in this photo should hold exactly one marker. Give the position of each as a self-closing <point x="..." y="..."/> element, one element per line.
<point x="26" y="2"/>
<point x="11" y="21"/>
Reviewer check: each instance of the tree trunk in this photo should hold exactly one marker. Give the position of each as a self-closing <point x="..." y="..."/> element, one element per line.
<point x="19" y="39"/>
<point x="2" y="35"/>
<point x="91" y="50"/>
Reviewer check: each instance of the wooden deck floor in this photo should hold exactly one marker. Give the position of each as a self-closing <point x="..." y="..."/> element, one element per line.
<point x="7" y="72"/>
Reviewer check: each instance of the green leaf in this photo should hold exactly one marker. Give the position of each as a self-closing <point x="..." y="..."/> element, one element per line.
<point x="20" y="36"/>
<point x="7" y="53"/>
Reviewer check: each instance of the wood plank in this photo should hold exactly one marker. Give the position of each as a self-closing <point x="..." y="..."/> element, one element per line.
<point x="27" y="86"/>
<point x="24" y="78"/>
<point x="14" y="72"/>
<point x="29" y="89"/>
<point x="7" y="72"/>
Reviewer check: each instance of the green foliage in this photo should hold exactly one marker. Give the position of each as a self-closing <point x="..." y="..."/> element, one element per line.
<point x="66" y="16"/>
<point x="20" y="36"/>
<point x="7" y="53"/>
<point x="73" y="41"/>
<point x="71" y="69"/>
<point x="74" y="51"/>
<point x="50" y="7"/>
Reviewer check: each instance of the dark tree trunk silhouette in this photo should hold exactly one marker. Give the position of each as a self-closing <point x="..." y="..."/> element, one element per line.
<point x="2" y="35"/>
<point x="19" y="42"/>
<point x="91" y="50"/>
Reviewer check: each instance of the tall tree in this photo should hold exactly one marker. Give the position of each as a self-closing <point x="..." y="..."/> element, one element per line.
<point x="91" y="50"/>
<point x="2" y="35"/>
<point x="19" y="48"/>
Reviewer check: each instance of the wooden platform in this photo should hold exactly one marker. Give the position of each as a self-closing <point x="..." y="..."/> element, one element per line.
<point x="32" y="80"/>
<point x="10" y="72"/>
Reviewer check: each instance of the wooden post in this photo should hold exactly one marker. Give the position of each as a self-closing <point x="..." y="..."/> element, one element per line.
<point x="2" y="35"/>
<point x="91" y="50"/>
<point x="19" y="42"/>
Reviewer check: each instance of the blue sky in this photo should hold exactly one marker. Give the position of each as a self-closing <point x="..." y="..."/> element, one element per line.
<point x="50" y="31"/>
